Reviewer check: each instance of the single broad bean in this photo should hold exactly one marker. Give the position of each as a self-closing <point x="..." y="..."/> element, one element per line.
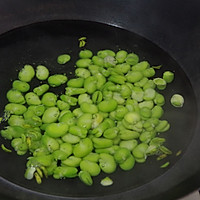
<point x="107" y="105"/>
<point x="72" y="101"/>
<point x="149" y="72"/>
<point x="157" y="112"/>
<point x="32" y="99"/>
<point x="84" y="98"/>
<point x="62" y="105"/>
<point x="102" y="142"/>
<point x="70" y="138"/>
<point x="159" y="99"/>
<point x="82" y="73"/>
<point x="70" y="91"/>
<point x="91" y="167"/>
<point x="128" y="164"/>
<point x="85" y="121"/>
<point x="65" y="172"/>
<point x="177" y="100"/>
<point x="89" y="108"/>
<point x="85" y="177"/>
<point x="139" y="151"/>
<point x="71" y="161"/>
<point x="20" y="86"/>
<point x="121" y="56"/>
<point x="50" y="115"/>
<point x="141" y="66"/>
<point x="50" y="143"/>
<point x="121" y="155"/>
<point x="57" y="80"/>
<point x="105" y="53"/>
<point x="83" y="148"/>
<point x="83" y="62"/>
<point x="57" y="130"/>
<point x="128" y="144"/>
<point x="68" y="118"/>
<point x="134" y="76"/>
<point x="162" y="126"/>
<point x="98" y="61"/>
<point x="63" y="59"/>
<point x="40" y="90"/>
<point x="78" y="131"/>
<point x="42" y="73"/>
<point x="26" y="74"/>
<point x="16" y="109"/>
<point x="132" y="59"/>
<point x="16" y="120"/>
<point x="86" y="53"/>
<point x="168" y="76"/>
<point x="107" y="163"/>
<point x="93" y="157"/>
<point x="76" y="82"/>
<point x="15" y="96"/>
<point x="90" y="84"/>
<point x="160" y="83"/>
<point x="49" y="99"/>
<point x="111" y="133"/>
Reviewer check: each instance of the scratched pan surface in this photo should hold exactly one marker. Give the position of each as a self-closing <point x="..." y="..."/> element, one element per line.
<point x="41" y="43"/>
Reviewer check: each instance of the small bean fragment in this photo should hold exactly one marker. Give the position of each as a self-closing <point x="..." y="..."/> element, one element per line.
<point x="106" y="181"/>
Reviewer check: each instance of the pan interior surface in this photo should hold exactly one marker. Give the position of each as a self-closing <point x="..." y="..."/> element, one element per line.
<point x="41" y="43"/>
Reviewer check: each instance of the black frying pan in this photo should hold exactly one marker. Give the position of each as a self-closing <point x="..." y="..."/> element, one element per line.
<point x="54" y="28"/>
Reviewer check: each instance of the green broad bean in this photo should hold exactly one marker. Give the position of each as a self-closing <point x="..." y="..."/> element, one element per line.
<point x="121" y="155"/>
<point x="104" y="72"/>
<point x="49" y="99"/>
<point x="83" y="148"/>
<point x="32" y="99"/>
<point x="132" y="59"/>
<point x="125" y="91"/>
<point x="71" y="161"/>
<point x="101" y="80"/>
<point x="97" y="97"/>
<point x="137" y="94"/>
<point x="82" y="73"/>
<point x="141" y="66"/>
<point x="15" y="96"/>
<point x="70" y="91"/>
<point x="70" y="138"/>
<point x="85" y="177"/>
<point x="72" y="101"/>
<point x="75" y="82"/>
<point x="85" y="121"/>
<point x="121" y="56"/>
<point x="50" y="115"/>
<point x="43" y="160"/>
<point x="128" y="164"/>
<point x="98" y="61"/>
<point x="77" y="112"/>
<point x="12" y="132"/>
<point x="110" y="150"/>
<point x="105" y="53"/>
<point x="42" y="73"/>
<point x="128" y="134"/>
<point x="111" y="133"/>
<point x="109" y="61"/>
<point x="63" y="59"/>
<point x="67" y="148"/>
<point x="162" y="126"/>
<point x="106" y="181"/>
<point x="59" y="155"/>
<point x="119" y="113"/>
<point x="83" y="62"/>
<point x="177" y="100"/>
<point x="117" y="96"/>
<point x="100" y="143"/>
<point x="149" y="84"/>
<point x="160" y="83"/>
<point x="134" y="76"/>
<point x="168" y="76"/>
<point x="159" y="99"/>
<point x="94" y="69"/>
<point x="97" y="119"/>
<point x="93" y="157"/>
<point x="146" y="136"/>
<point x="68" y="118"/>
<point x="122" y="68"/>
<point x="89" y="108"/>
<point x="65" y="172"/>
<point x="101" y="127"/>
<point x="145" y="113"/>
<point x="149" y="104"/>
<point x="50" y="143"/>
<point x="78" y="131"/>
<point x="149" y="94"/>
<point x="107" y="105"/>
<point x="157" y="141"/>
<point x="84" y="98"/>
<point x="157" y="112"/>
<point x="16" y="109"/>
<point x="128" y="144"/>
<point x="57" y="80"/>
<point x="19" y="146"/>
<point x="26" y="74"/>
<point x="40" y="90"/>
<point x="62" y="105"/>
<point x="90" y="84"/>
<point x="142" y="82"/>
<point x="40" y="151"/>
<point x="20" y="86"/>
<point x="91" y="167"/>
<point x="107" y="163"/>
<point x="32" y="119"/>
<point x="149" y="72"/>
<point x="16" y="120"/>
<point x="117" y="79"/>
<point x="86" y="53"/>
<point x="57" y="130"/>
<point x="139" y="151"/>
<point x="132" y="117"/>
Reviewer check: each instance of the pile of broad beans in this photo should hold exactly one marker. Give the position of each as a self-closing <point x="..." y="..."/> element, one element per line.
<point x="109" y="116"/>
